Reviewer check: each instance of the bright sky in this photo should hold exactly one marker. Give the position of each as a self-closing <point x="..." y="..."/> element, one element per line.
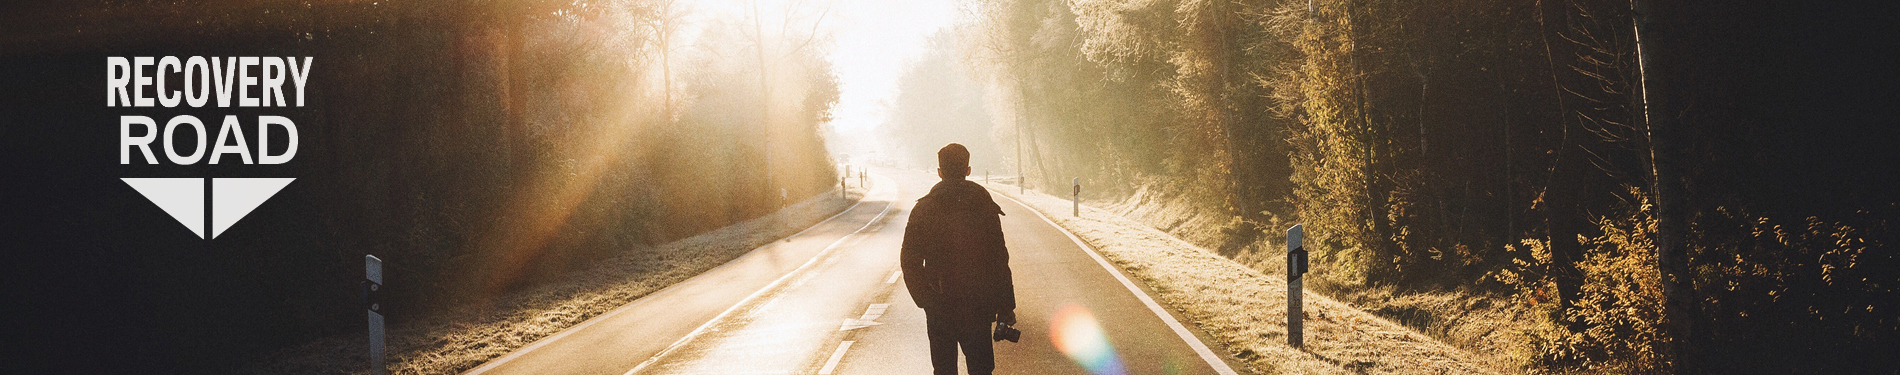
<point x="875" y="38"/>
<point x="872" y="42"/>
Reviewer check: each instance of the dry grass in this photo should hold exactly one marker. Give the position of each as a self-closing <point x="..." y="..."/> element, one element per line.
<point x="1244" y="309"/>
<point x="462" y="339"/>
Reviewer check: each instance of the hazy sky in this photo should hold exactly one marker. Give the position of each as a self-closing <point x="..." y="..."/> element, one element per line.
<point x="872" y="40"/>
<point x="875" y="38"/>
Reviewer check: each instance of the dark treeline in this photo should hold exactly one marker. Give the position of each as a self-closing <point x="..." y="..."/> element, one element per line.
<point x="477" y="147"/>
<point x="1538" y="153"/>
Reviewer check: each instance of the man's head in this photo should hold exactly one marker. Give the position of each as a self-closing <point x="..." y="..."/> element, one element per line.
<point x="953" y="162"/>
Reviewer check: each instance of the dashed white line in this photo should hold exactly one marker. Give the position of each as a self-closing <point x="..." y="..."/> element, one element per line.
<point x="832" y="364"/>
<point x="894" y="275"/>
<point x="762" y="291"/>
<point x="491" y="365"/>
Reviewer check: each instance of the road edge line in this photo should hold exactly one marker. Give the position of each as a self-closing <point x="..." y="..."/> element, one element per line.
<point x="1200" y="348"/>
<point x="537" y="344"/>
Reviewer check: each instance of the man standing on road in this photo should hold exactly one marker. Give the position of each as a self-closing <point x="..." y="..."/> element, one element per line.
<point x="956" y="267"/>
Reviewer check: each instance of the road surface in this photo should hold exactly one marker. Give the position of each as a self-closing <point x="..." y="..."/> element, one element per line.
<point x="829" y="301"/>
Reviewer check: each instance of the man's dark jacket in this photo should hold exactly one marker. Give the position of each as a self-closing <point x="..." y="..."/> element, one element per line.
<point x="953" y="255"/>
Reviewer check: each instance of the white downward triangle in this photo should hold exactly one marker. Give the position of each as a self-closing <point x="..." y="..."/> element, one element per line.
<point x="183" y="198"/>
<point x="232" y="198"/>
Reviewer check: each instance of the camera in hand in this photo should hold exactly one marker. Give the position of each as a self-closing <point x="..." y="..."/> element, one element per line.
<point x="1004" y="332"/>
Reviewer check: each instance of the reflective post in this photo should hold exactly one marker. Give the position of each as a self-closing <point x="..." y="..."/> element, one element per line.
<point x="1077" y="199"/>
<point x="1295" y="268"/>
<point x="372" y="297"/>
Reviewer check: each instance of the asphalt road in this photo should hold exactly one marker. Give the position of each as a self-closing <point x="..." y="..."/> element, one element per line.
<point x="828" y="301"/>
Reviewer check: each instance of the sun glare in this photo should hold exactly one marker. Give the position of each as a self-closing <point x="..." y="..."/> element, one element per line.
<point x="1079" y="336"/>
<point x="871" y="41"/>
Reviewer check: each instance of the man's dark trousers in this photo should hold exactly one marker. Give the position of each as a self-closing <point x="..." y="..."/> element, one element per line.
<point x="950" y="329"/>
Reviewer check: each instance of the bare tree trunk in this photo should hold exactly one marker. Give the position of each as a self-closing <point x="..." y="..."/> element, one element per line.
<point x="666" y="71"/>
<point x="515" y="91"/>
<point x="1374" y="205"/>
<point x="765" y="97"/>
<point x="1035" y="141"/>
<point x="1022" y="120"/>
<point x="1679" y="308"/>
<point x="1560" y="197"/>
<point x="1224" y="56"/>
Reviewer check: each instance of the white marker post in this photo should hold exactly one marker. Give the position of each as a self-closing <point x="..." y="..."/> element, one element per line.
<point x="1077" y="181"/>
<point x="372" y="296"/>
<point x="841" y="181"/>
<point x="1295" y="268"/>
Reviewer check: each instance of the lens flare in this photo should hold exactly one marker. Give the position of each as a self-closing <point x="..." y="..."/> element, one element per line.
<point x="1079" y="336"/>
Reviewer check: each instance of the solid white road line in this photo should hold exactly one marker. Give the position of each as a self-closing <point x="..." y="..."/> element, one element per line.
<point x="491" y="365"/>
<point x="894" y="276"/>
<point x="761" y="292"/>
<point x="832" y="364"/>
<point x="1206" y="354"/>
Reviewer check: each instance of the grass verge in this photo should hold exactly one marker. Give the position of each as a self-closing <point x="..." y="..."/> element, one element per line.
<point x="1244" y="310"/>
<point x="462" y="339"/>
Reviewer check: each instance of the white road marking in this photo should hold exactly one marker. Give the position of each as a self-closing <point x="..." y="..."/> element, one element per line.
<point x="894" y="276"/>
<point x="1220" y="366"/>
<point x="868" y="319"/>
<point x="491" y="365"/>
<point x="761" y="292"/>
<point x="832" y="364"/>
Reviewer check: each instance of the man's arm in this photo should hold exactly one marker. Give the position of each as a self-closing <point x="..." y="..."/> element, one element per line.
<point x="1005" y="284"/>
<point x="911" y="259"/>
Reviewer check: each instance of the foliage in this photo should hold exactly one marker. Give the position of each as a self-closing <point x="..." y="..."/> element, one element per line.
<point x="1425" y="144"/>
<point x="479" y="148"/>
<point x="1331" y="153"/>
<point x="1619" y="307"/>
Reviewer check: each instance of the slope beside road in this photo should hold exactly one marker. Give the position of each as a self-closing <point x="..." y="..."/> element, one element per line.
<point x="844" y="310"/>
<point x="1245" y="310"/>
<point x="622" y="339"/>
<point x="457" y="340"/>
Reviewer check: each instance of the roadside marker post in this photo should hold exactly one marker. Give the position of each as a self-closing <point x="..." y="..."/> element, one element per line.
<point x="373" y="300"/>
<point x="1296" y="266"/>
<point x="1077" y="200"/>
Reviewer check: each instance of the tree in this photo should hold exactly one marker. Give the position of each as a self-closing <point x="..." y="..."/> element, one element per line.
<point x="669" y="16"/>
<point x="1679" y="307"/>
